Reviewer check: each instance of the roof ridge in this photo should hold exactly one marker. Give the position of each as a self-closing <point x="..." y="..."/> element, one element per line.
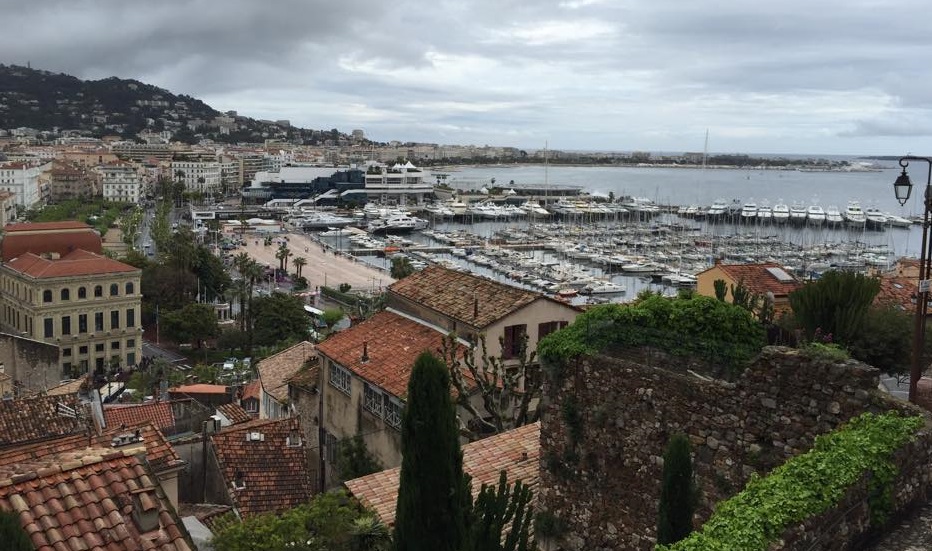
<point x="55" y="465"/>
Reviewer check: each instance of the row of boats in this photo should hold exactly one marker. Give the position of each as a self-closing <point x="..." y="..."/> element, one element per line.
<point x="854" y="216"/>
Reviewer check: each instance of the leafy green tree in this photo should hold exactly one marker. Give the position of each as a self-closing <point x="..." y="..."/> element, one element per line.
<point x="677" y="492"/>
<point x="354" y="459"/>
<point x="501" y="518"/>
<point x="885" y="340"/>
<point x="212" y="277"/>
<point x="12" y="534"/>
<point x="837" y="304"/>
<point x="433" y="493"/>
<point x="721" y="289"/>
<point x="331" y="317"/>
<point x="278" y="317"/>
<point x="192" y="324"/>
<point x="401" y="267"/>
<point x="231" y="339"/>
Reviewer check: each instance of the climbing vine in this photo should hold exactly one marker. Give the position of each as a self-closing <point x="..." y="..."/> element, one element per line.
<point x="810" y="484"/>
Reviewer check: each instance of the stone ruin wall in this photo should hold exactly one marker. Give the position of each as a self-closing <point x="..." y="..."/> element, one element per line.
<point x="606" y="422"/>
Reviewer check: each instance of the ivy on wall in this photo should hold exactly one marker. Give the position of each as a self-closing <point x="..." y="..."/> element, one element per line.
<point x="810" y="484"/>
<point x="694" y="326"/>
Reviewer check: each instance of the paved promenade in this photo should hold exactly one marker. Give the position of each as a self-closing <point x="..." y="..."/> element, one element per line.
<point x="324" y="267"/>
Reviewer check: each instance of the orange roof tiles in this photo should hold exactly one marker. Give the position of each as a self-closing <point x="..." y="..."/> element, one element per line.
<point x="75" y="263"/>
<point x="757" y="279"/>
<point x="45" y="226"/>
<point x="86" y="501"/>
<point x="159" y="453"/>
<point x="517" y="452"/>
<point x="899" y="292"/>
<point x="274" y="475"/>
<point x="201" y="388"/>
<point x="34" y="419"/>
<point x="20" y="239"/>
<point x="392" y="343"/>
<point x="307" y="377"/>
<point x="234" y="413"/>
<point x="462" y="296"/>
<point x="275" y="370"/>
<point x="130" y="415"/>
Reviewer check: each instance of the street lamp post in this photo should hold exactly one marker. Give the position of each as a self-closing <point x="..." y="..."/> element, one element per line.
<point x="903" y="187"/>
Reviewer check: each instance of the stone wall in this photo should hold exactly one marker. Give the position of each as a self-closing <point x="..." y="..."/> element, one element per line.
<point x="606" y="422"/>
<point x="31" y="364"/>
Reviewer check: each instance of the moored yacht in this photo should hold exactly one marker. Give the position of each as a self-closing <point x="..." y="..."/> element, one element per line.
<point x="875" y="219"/>
<point x="718" y="208"/>
<point x="798" y="213"/>
<point x="833" y="216"/>
<point x="781" y="212"/>
<point x="854" y="216"/>
<point x="396" y="223"/>
<point x="749" y="212"/>
<point x="764" y="213"/>
<point x="815" y="216"/>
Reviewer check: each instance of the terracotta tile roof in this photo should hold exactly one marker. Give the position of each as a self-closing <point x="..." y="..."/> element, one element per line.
<point x="392" y="343"/>
<point x="275" y="370"/>
<point x="130" y="415"/>
<point x="307" y="377"/>
<point x="70" y="387"/>
<point x="758" y="279"/>
<point x="45" y="226"/>
<point x="274" y="475"/>
<point x="251" y="390"/>
<point x="159" y="453"/>
<point x="234" y="413"/>
<point x="899" y="292"/>
<point x="517" y="452"/>
<point x="76" y="263"/>
<point x="61" y="242"/>
<point x="85" y="501"/>
<point x="35" y="419"/>
<point x="201" y="388"/>
<point x="454" y="294"/>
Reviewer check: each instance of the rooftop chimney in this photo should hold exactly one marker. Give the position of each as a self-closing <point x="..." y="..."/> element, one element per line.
<point x="475" y="306"/>
<point x="365" y="352"/>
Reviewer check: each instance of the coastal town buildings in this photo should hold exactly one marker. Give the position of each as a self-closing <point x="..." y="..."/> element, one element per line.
<point x="120" y="182"/>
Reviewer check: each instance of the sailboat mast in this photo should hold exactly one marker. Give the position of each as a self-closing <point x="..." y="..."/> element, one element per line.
<point x="705" y="149"/>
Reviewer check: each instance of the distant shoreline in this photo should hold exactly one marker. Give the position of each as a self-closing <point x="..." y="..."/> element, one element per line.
<point x="794" y="168"/>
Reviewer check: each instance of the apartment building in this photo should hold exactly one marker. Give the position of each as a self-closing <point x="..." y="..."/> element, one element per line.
<point x="57" y="287"/>
<point x="198" y="176"/>
<point x="22" y="180"/>
<point x="120" y="182"/>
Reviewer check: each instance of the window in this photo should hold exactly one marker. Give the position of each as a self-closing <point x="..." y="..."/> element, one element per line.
<point x="82" y="350"/>
<point x="66" y="325"/>
<point x="47" y="295"/>
<point x="114" y="319"/>
<point x="98" y="321"/>
<point x="82" y="292"/>
<point x="49" y="328"/>
<point x="130" y="358"/>
<point x="98" y="291"/>
<point x="99" y="347"/>
<point x="549" y="327"/>
<point x="82" y="323"/>
<point x="66" y="294"/>
<point x="115" y="345"/>
<point x="114" y="289"/>
<point x="130" y="343"/>
<point x="393" y="408"/>
<point x="515" y="341"/>
<point x="340" y="378"/>
<point x="66" y="352"/>
<point x="131" y="317"/>
<point x="372" y="400"/>
<point x="129" y="288"/>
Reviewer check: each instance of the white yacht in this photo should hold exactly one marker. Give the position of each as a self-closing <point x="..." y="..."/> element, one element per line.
<point x="764" y="213"/>
<point x="815" y="216"/>
<point x="603" y="287"/>
<point x="397" y="223"/>
<point x="534" y="210"/>
<point x="833" y="216"/>
<point x="718" y="208"/>
<point x="798" y="213"/>
<point x="876" y="220"/>
<point x="898" y="221"/>
<point x="781" y="212"/>
<point x="854" y="216"/>
<point x="749" y="212"/>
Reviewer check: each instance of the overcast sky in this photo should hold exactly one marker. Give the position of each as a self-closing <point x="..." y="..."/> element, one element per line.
<point x="815" y="76"/>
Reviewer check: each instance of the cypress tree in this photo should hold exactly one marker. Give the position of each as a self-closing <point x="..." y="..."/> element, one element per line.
<point x="433" y="494"/>
<point x="677" y="494"/>
<point x="12" y="534"/>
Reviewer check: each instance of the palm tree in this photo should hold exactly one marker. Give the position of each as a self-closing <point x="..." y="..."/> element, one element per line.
<point x="282" y="255"/>
<point x="299" y="263"/>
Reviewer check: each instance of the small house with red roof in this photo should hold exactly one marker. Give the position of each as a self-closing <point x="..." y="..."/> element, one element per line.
<point x="767" y="280"/>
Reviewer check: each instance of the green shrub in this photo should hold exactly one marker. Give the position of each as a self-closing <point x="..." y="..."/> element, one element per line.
<point x="808" y="485"/>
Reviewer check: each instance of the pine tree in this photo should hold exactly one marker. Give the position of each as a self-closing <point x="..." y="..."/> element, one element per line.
<point x="433" y="494"/>
<point x="677" y="494"/>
